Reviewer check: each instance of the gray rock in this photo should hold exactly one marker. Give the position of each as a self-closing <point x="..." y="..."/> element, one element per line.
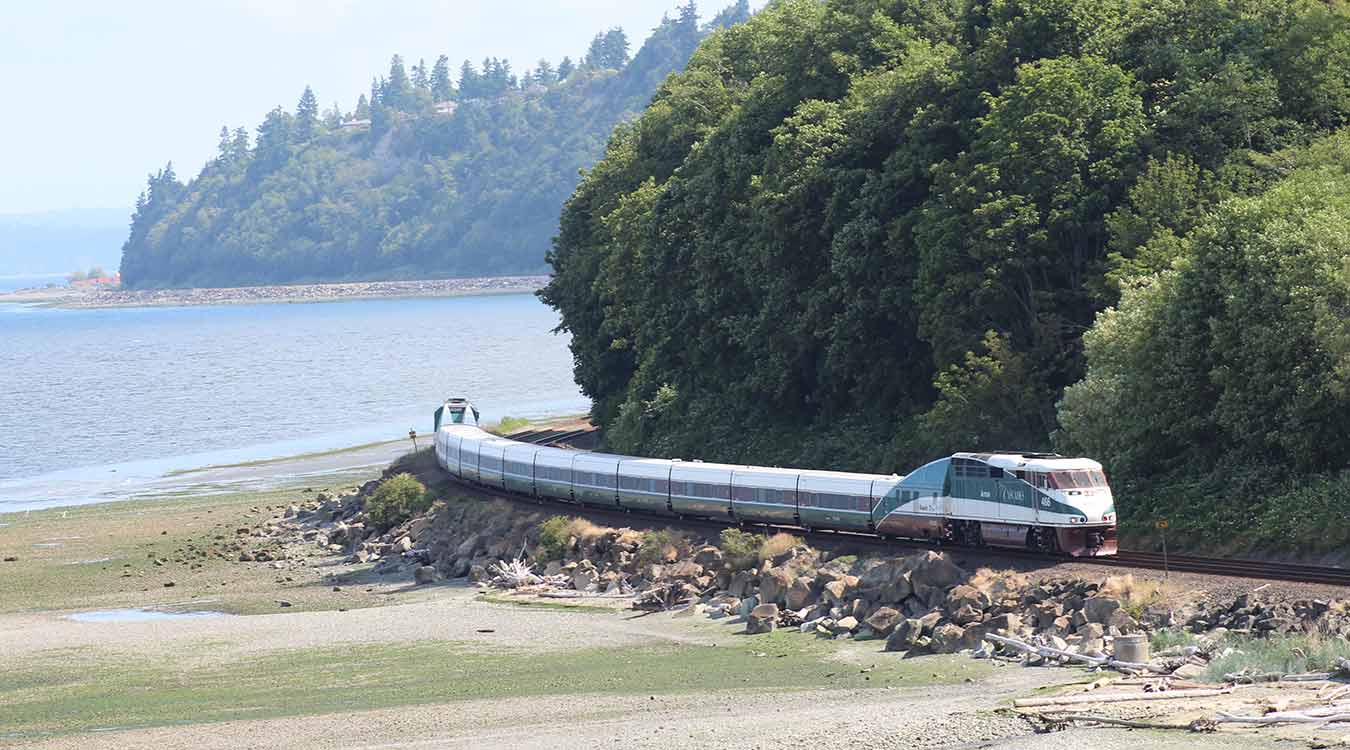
<point x="1099" y="609"/>
<point x="773" y="585"/>
<point x="424" y="574"/>
<point x="883" y="620"/>
<point x="801" y="593"/>
<point x="467" y="547"/>
<point x="937" y="570"/>
<point x="461" y="568"/>
<point x="762" y="619"/>
<point x="845" y="625"/>
<point x="905" y="635"/>
<point x="947" y="638"/>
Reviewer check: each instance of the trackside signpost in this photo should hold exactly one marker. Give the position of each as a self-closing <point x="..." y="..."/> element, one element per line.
<point x="1162" y="527"/>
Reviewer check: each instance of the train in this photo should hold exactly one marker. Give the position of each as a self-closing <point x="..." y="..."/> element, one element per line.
<point x="1026" y="500"/>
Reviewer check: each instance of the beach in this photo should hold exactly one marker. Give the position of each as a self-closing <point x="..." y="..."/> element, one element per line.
<point x="102" y="297"/>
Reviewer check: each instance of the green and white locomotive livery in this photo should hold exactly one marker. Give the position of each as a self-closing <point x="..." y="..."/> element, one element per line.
<point x="1038" y="501"/>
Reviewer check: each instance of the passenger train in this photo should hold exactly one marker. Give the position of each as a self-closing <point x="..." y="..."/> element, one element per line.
<point x="1039" y="501"/>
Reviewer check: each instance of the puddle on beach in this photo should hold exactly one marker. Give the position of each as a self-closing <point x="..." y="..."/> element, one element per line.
<point x="140" y="615"/>
<point x="90" y="562"/>
<point x="50" y="544"/>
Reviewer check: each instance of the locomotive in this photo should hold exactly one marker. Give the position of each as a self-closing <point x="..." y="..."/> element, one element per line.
<point x="1038" y="501"/>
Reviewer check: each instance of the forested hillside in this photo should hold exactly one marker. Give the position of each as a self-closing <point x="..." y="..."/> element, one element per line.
<point x="865" y="233"/>
<point x="438" y="172"/>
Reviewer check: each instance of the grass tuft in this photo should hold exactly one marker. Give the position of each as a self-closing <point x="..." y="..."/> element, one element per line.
<point x="1288" y="654"/>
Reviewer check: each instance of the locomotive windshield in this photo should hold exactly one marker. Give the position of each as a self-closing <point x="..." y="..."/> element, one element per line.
<point x="1071" y="480"/>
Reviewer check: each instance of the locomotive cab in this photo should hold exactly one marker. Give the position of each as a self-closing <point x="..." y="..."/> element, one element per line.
<point x="456" y="411"/>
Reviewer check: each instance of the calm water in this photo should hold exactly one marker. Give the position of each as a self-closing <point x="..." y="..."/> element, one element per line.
<point x="11" y="282"/>
<point x="93" y="401"/>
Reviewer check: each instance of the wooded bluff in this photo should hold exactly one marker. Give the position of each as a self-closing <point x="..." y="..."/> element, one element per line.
<point x="425" y="178"/>
<point x="865" y="233"/>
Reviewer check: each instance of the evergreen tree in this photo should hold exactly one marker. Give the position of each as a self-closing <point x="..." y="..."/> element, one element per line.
<point x="688" y="20"/>
<point x="470" y="83"/>
<point x="397" y="90"/>
<point x="442" y="90"/>
<point x="544" y="73"/>
<point x="239" y="148"/>
<point x="333" y="117"/>
<point x="274" y="142"/>
<point x="376" y="89"/>
<point x="362" y="108"/>
<point x="565" y="68"/>
<point x="421" y="80"/>
<point x="306" y="116"/>
<point x="608" y="50"/>
<point x="226" y="147"/>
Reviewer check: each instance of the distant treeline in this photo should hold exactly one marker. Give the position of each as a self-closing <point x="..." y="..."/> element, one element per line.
<point x="867" y="233"/>
<point x="434" y="173"/>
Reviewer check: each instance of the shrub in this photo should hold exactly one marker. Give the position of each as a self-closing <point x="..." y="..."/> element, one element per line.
<point x="1134" y="595"/>
<point x="396" y="500"/>
<point x="777" y="545"/>
<point x="553" y="536"/>
<point x="1289" y="654"/>
<point x="740" y="549"/>
<point x="509" y="425"/>
<point x="1161" y="640"/>
<point x="657" y="545"/>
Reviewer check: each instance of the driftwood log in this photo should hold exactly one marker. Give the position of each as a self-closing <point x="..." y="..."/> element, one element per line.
<point x="1096" y="661"/>
<point x="1075" y="700"/>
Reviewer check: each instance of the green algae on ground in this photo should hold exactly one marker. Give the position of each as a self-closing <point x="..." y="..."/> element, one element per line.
<point x="82" y="692"/>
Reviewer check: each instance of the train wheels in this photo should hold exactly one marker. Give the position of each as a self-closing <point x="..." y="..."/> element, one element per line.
<point x="1043" y="539"/>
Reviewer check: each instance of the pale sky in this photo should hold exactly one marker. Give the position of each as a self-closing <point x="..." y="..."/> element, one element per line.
<point x="98" y="94"/>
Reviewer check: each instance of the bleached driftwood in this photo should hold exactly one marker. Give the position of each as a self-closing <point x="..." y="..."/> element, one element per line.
<point x="1074" y="700"/>
<point x="1096" y="661"/>
<point x="1331" y="715"/>
<point x="514" y="574"/>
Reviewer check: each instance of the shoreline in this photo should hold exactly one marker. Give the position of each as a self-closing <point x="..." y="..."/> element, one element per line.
<point x="66" y="298"/>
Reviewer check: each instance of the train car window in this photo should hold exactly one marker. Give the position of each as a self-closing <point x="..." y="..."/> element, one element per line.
<point x="1098" y="478"/>
<point x="995" y="472"/>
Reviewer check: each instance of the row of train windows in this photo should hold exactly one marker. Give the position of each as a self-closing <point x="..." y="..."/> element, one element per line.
<point x="639" y="484"/>
<point x="593" y="478"/>
<point x="835" y="502"/>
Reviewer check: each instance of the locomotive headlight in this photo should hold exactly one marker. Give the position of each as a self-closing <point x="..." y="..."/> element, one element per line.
<point x="1108" y="517"/>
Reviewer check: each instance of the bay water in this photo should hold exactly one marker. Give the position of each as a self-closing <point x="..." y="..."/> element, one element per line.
<point x="96" y="403"/>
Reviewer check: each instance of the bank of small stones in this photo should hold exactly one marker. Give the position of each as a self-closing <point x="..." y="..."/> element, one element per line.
<point x="920" y="603"/>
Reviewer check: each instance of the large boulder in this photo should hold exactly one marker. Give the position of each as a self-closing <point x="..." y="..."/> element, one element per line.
<point x="1099" y="609"/>
<point x="801" y="593"/>
<point x="708" y="556"/>
<point x="583" y="578"/>
<point x="762" y="619"/>
<point x="883" y="620"/>
<point x="424" y="574"/>
<point x="686" y="570"/>
<point x="888" y="582"/>
<point x="773" y="585"/>
<point x="935" y="569"/>
<point x="467" y="547"/>
<point x="905" y="635"/>
<point x="1004" y="624"/>
<point x="741" y="583"/>
<point x="845" y="625"/>
<point x="947" y="638"/>
<point x="965" y="595"/>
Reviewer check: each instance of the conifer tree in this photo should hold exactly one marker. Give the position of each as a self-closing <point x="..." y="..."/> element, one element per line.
<point x="306" y="116"/>
<point x="544" y="73"/>
<point x="226" y="143"/>
<point x="362" y="108"/>
<point x="420" y="78"/>
<point x="469" y="82"/>
<point x="442" y="90"/>
<point x="565" y="68"/>
<point x="397" y="91"/>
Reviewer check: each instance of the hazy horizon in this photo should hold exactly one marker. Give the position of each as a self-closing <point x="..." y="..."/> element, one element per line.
<point x="115" y="92"/>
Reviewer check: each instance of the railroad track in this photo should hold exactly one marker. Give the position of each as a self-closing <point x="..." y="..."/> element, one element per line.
<point x="1218" y="566"/>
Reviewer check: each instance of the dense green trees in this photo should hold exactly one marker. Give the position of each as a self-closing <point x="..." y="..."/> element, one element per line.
<point x="862" y="233"/>
<point x="401" y="186"/>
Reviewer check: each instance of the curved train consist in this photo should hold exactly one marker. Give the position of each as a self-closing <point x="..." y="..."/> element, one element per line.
<point x="1034" y="501"/>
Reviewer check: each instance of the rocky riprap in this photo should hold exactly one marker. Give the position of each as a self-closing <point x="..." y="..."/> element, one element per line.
<point x="919" y="603"/>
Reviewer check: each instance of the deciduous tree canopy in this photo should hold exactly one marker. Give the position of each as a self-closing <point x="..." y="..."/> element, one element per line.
<point x="865" y="233"/>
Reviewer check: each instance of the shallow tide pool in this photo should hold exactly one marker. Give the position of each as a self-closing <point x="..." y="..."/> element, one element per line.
<point x="140" y="615"/>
